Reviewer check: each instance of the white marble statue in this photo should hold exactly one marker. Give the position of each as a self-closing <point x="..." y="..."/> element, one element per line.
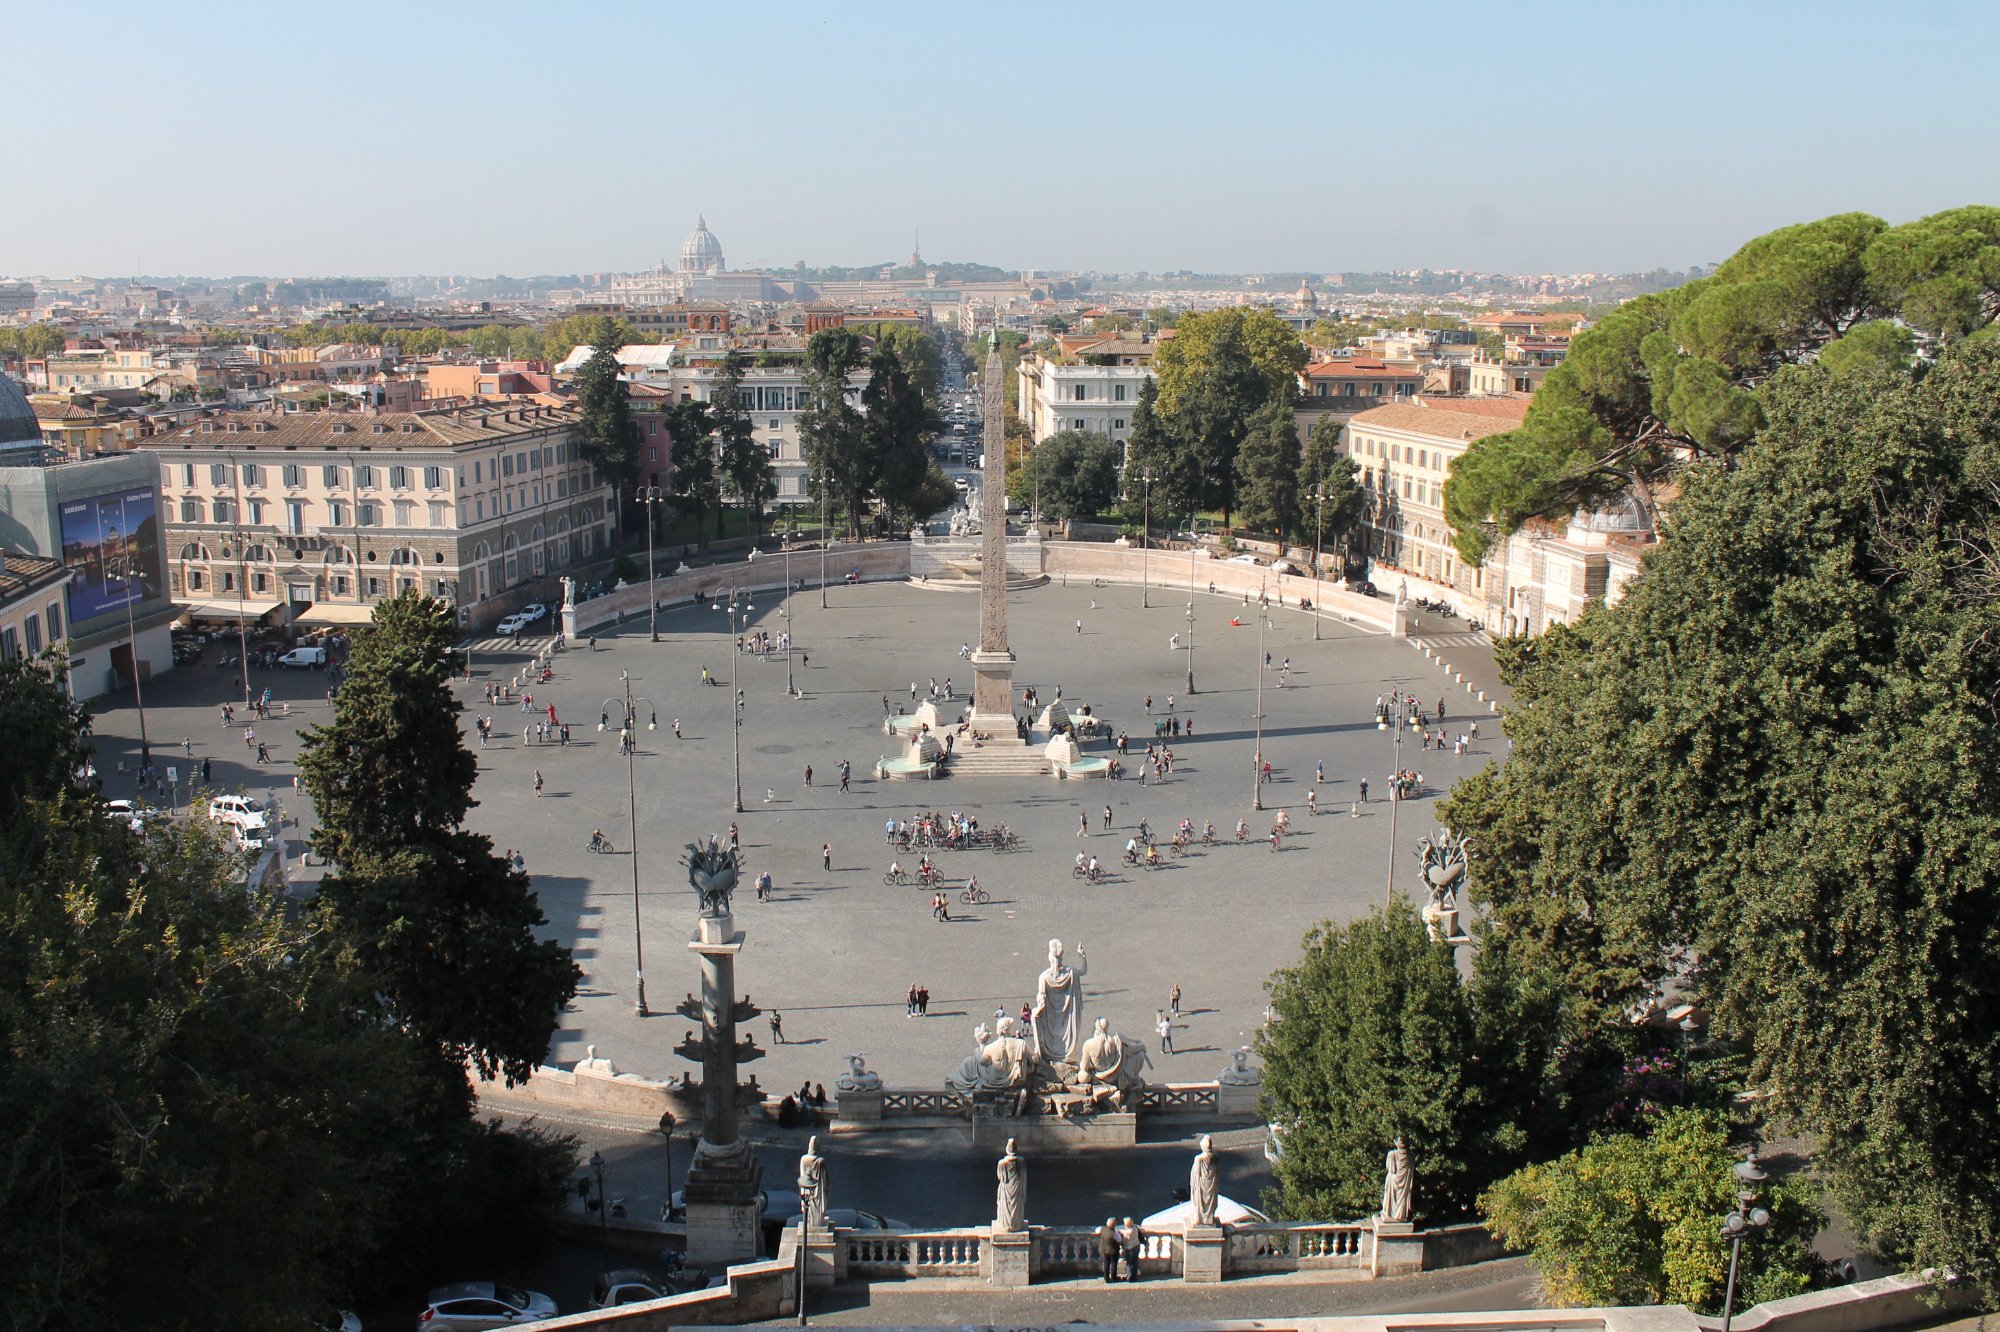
<point x="569" y="593"/>
<point x="1201" y="1183"/>
<point x="1010" y="1198"/>
<point x="1058" y="1011"/>
<point x="1239" y="1073"/>
<point x="1109" y="1066"/>
<point x="858" y="1078"/>
<point x="812" y="1186"/>
<point x="998" y="1062"/>
<point x="1398" y="1184"/>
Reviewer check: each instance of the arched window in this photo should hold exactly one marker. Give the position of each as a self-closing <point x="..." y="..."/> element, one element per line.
<point x="194" y="551"/>
<point x="337" y="555"/>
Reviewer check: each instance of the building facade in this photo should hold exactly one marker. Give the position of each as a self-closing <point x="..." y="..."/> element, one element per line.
<point x="33" y="616"/>
<point x="314" y="517"/>
<point x="1092" y="389"/>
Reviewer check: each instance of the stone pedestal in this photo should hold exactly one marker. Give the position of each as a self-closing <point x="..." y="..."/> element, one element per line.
<point x="1235" y="1100"/>
<point x="569" y="624"/>
<point x="1007" y="1258"/>
<point x="822" y="1260"/>
<point x="723" y="1181"/>
<point x="1036" y="1133"/>
<point x="1441" y="923"/>
<point x="857" y="1107"/>
<point x="1201" y="1254"/>
<point x="722" y="1207"/>
<point x="1399" y="1249"/>
<point x="993" y="691"/>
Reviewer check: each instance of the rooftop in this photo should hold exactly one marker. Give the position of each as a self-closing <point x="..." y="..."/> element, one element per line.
<point x="361" y="430"/>
<point x="24" y="573"/>
<point x="1448" y="418"/>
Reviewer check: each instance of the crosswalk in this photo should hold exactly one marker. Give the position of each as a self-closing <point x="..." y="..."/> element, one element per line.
<point x="1449" y="640"/>
<point x="523" y="645"/>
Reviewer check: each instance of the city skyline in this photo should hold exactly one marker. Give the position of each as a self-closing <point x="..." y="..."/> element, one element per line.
<point x="1329" y="139"/>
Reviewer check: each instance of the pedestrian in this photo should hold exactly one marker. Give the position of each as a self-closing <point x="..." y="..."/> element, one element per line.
<point x="1131" y="1241"/>
<point x="187" y="747"/>
<point x="1027" y="1016"/>
<point x="1166" y="1029"/>
<point x="809" y="775"/>
<point x="826" y="855"/>
<point x="206" y="771"/>
<point x="1149" y="705"/>
<point x="764" y="886"/>
<point x="1107" y="818"/>
<point x="1083" y="825"/>
<point x="1107" y="1248"/>
<point x="677" y="728"/>
<point x="263" y="752"/>
<point x="885" y="705"/>
<point x="735" y="840"/>
<point x="1174" y="1000"/>
<point x="846" y="772"/>
<point x="1170" y="702"/>
<point x="1475" y="733"/>
<point x="777" y="1027"/>
<point x="923" y="1001"/>
<point x="913" y="691"/>
<point x="538" y="785"/>
<point x="1079" y="626"/>
<point x="249" y="738"/>
<point x="520" y="863"/>
<point x="1364" y="790"/>
<point x="1143" y="765"/>
<point x="910" y="1005"/>
<point x="1312" y="800"/>
<point x="1319" y="774"/>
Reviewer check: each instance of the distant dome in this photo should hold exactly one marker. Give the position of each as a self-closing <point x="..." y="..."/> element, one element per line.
<point x="17" y="418"/>
<point x="701" y="252"/>
<point x="1622" y="518"/>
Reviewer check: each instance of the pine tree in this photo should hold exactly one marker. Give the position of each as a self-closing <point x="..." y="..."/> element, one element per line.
<point x="604" y="432"/>
<point x="1267" y="469"/>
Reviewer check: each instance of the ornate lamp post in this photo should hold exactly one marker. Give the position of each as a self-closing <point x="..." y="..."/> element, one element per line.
<point x="1319" y="535"/>
<point x="1257" y="761"/>
<point x="1190" y="647"/>
<point x="785" y="614"/>
<point x="823" y="543"/>
<point x="650" y="496"/>
<point x="1746" y="1221"/>
<point x="629" y="733"/>
<point x="739" y="615"/>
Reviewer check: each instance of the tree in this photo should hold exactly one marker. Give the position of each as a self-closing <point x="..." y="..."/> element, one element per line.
<point x="743" y="462"/>
<point x="190" y="1107"/>
<point x="604" y="431"/>
<point x="1373" y="1038"/>
<point x="899" y="423"/>
<point x="1267" y="469"/>
<point x="1153" y="451"/>
<point x="696" y="487"/>
<point x="1331" y="522"/>
<point x="1681" y="374"/>
<point x="1074" y="473"/>
<point x="1768" y="773"/>
<point x="1219" y="370"/>
<point x="1637" y="1220"/>
<point x="834" y="434"/>
<point x="1334" y="334"/>
<point x="445" y="927"/>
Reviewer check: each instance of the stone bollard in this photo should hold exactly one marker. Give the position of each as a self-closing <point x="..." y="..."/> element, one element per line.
<point x="1482" y="696"/>
<point x="1458" y="678"/>
<point x="1445" y="666"/>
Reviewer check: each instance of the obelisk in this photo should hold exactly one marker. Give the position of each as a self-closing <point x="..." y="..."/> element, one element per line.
<point x="993" y="663"/>
<point x="723" y="1180"/>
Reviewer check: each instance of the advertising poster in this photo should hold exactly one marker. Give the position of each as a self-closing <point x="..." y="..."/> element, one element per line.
<point x="111" y="544"/>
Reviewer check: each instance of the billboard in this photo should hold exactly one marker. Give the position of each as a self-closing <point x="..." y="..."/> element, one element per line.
<point x="111" y="544"/>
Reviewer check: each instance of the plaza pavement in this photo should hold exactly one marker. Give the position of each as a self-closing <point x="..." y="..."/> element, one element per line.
<point x="836" y="951"/>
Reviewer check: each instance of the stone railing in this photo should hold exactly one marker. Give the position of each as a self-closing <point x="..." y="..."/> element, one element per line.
<point x="1066" y="1251"/>
<point x="912" y="1253"/>
<point x="876" y="561"/>
<point x="1182" y="1098"/>
<point x="1279" y="1246"/>
<point x="923" y="1104"/>
<point x="1169" y="573"/>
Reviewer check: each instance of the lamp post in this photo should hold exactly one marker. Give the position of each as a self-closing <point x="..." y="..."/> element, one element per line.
<point x="1401" y="709"/>
<point x="603" y="1208"/>
<point x="785" y="614"/>
<point x="1145" y="537"/>
<point x="629" y="733"/>
<point x="1257" y="761"/>
<point x="650" y="496"/>
<point x="822" y="543"/>
<point x="1319" y="535"/>
<point x="1190" y="646"/>
<point x="737" y="612"/>
<point x="1746" y="1221"/>
<point x="132" y="637"/>
<point x="667" y="1124"/>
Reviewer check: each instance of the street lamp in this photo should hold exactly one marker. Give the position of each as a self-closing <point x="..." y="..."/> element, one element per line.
<point x="822" y="543"/>
<point x="650" y="496"/>
<point x="1190" y="646"/>
<point x="667" y="1124"/>
<point x="1257" y="760"/>
<point x="1145" y="536"/>
<point x="603" y="1207"/>
<point x="628" y="733"/>
<point x="1401" y="709"/>
<point x="1746" y="1221"/>
<point x="785" y="614"/>
<point x="737" y="612"/>
<point x="1319" y="535"/>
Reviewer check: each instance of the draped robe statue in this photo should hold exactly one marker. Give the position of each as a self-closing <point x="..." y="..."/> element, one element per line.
<point x="1398" y="1184"/>
<point x="1201" y="1183"/>
<point x="1058" y="1011"/>
<point x="1010" y="1199"/>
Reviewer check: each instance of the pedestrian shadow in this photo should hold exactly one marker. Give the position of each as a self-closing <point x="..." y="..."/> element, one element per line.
<point x="810" y="1040"/>
<point x="1194" y="1049"/>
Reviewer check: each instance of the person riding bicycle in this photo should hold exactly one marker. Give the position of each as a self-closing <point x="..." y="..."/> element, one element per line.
<point x="1081" y="860"/>
<point x="1093" y="869"/>
<point x="1208" y="830"/>
<point x="1152" y="855"/>
<point x="598" y="839"/>
<point x="925" y="870"/>
<point x="972" y="888"/>
<point x="1131" y="850"/>
<point x="1242" y="829"/>
<point x="895" y="869"/>
<point x="1187" y="830"/>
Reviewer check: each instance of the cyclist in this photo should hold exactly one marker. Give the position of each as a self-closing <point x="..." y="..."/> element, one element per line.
<point x="1131" y="850"/>
<point x="1152" y="856"/>
<point x="1277" y="833"/>
<point x="972" y="888"/>
<point x="925" y="870"/>
<point x="1187" y="831"/>
<point x="895" y="869"/>
<point x="1093" y="869"/>
<point x="1312" y="801"/>
<point x="598" y="841"/>
<point x="1208" y="832"/>
<point x="1242" y="831"/>
<point x="1082" y="861"/>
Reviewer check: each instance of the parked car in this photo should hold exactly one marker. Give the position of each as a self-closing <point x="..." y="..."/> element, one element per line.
<point x="1361" y="585"/>
<point x="245" y="814"/>
<point x="1242" y="559"/>
<point x="1284" y="567"/>
<point x="533" y="611"/>
<point x="633" y="1285"/>
<point x="482" y="1304"/>
<point x="1228" y="1212"/>
<point x="513" y="624"/>
<point x="313" y="658"/>
<point x="778" y="1209"/>
<point x="132" y="814"/>
<point x="329" y="1319"/>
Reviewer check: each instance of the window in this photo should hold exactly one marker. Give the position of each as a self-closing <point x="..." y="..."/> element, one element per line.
<point x="368" y="513"/>
<point x="1347" y="389"/>
<point x="340" y="585"/>
<point x="364" y="476"/>
<point x="218" y="474"/>
<point x="253" y="475"/>
<point x="1118" y="424"/>
<point x="1080" y="423"/>
<point x="187" y="474"/>
<point x="228" y="581"/>
<point x="1118" y="393"/>
<point x="478" y="509"/>
<point x="433" y="478"/>
<point x="399" y="477"/>
<point x="774" y="423"/>
<point x="374" y="587"/>
<point x="475" y="471"/>
<point x="439" y="514"/>
<point x="294" y="475"/>
<point x="404" y="510"/>
<point x="54" y="617"/>
<point x="1079" y="393"/>
<point x="223" y="511"/>
<point x="256" y="512"/>
<point x="336" y="514"/>
<point x="329" y="477"/>
<point x="1375" y="389"/>
<point x="506" y="464"/>
<point x="1395" y="453"/>
<point x="1406" y="487"/>
<point x="190" y="510"/>
<point x="260" y="582"/>
<point x="521" y="462"/>
<point x="33" y="627"/>
<point x="295" y="517"/>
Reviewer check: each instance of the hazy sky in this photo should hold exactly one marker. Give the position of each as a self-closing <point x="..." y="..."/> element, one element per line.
<point x="302" y="138"/>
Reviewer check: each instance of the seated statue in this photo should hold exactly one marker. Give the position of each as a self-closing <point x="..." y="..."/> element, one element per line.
<point x="1109" y="1067"/>
<point x="998" y="1062"/>
<point x="858" y="1078"/>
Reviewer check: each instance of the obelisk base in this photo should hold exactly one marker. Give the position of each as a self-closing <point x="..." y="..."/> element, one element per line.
<point x="993" y="693"/>
<point x="723" y="1223"/>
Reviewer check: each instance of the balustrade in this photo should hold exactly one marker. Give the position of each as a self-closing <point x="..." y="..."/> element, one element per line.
<point x="916" y="1253"/>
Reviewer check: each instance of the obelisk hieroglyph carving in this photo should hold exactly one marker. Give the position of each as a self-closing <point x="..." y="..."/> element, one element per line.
<point x="993" y="663"/>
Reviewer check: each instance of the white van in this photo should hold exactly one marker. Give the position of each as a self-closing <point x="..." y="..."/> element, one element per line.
<point x="245" y="816"/>
<point x="312" y="657"/>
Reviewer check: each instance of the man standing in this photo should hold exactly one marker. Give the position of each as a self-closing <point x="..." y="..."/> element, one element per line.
<point x="1083" y="823"/>
<point x="538" y="784"/>
<point x="826" y="855"/>
<point x="777" y="1027"/>
<point x="1166" y="1029"/>
<point x="1107" y="818"/>
<point x="809" y="776"/>
<point x="1174" y="1000"/>
<point x="910" y="1007"/>
<point x="1131" y="1240"/>
<point x="923" y="1001"/>
<point x="1107" y="1248"/>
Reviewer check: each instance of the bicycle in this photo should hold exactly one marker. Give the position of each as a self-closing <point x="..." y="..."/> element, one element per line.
<point x="972" y="895"/>
<point x="1085" y="872"/>
<point x="599" y="844"/>
<point x="896" y="878"/>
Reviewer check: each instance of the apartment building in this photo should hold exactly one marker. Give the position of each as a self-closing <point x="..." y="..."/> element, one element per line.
<point x="32" y="617"/>
<point x="1091" y="385"/>
<point x="1404" y="452"/>
<point x="101" y="368"/>
<point x="316" y="516"/>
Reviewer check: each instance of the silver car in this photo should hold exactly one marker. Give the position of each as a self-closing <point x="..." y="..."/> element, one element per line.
<point x="483" y="1304"/>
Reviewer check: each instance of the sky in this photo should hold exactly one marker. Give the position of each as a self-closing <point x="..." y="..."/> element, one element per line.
<point x="365" y="138"/>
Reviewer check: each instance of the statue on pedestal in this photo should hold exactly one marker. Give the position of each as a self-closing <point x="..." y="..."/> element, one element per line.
<point x="858" y="1078"/>
<point x="1201" y="1183"/>
<point x="812" y="1187"/>
<point x="1444" y="860"/>
<point x="1010" y="1210"/>
<point x="712" y="874"/>
<point x="569" y="593"/>
<point x="998" y="1062"/>
<point x="1058" y="1010"/>
<point x="1109" y="1067"/>
<point x="1239" y="1073"/>
<point x="1398" y="1184"/>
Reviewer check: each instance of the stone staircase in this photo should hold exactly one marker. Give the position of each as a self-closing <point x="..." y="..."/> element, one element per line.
<point x="1000" y="758"/>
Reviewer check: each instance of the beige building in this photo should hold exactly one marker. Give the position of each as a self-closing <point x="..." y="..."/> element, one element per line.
<point x="1546" y="574"/>
<point x="316" y="516"/>
<point x="32" y="618"/>
<point x="1404" y="452"/>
